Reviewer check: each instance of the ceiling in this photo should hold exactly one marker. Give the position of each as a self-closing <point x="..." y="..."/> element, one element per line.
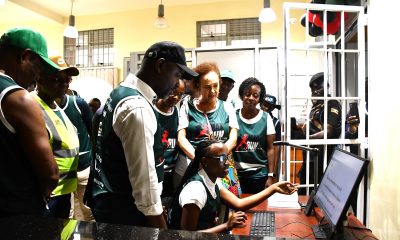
<point x="58" y="10"/>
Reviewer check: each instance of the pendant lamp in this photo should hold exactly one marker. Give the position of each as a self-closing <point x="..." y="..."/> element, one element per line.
<point x="160" y="21"/>
<point x="267" y="14"/>
<point x="71" y="31"/>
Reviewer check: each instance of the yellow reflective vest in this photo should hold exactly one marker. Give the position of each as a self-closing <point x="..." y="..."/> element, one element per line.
<point x="65" y="145"/>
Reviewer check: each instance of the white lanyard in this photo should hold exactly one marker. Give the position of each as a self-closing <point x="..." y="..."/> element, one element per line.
<point x="210" y="131"/>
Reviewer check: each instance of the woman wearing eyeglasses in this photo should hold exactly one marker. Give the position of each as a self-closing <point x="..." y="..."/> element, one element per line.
<point x="203" y="118"/>
<point x="254" y="154"/>
<point x="196" y="204"/>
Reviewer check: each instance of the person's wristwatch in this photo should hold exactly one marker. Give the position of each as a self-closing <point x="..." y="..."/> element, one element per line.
<point x="271" y="174"/>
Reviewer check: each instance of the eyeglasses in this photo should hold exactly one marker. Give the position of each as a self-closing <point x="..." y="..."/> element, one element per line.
<point x="58" y="79"/>
<point x="222" y="158"/>
<point x="63" y="79"/>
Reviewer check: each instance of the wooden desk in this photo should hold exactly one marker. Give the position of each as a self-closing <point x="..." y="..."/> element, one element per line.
<point x="293" y="223"/>
<point x="288" y="222"/>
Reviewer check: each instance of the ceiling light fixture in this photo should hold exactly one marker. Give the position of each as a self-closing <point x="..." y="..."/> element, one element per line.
<point x="71" y="31"/>
<point x="160" y="22"/>
<point x="267" y="14"/>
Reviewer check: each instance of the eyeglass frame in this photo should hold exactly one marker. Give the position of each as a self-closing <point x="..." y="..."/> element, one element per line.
<point x="221" y="158"/>
<point x="58" y="79"/>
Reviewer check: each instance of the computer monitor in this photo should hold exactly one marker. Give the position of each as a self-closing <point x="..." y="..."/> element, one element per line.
<point x="341" y="177"/>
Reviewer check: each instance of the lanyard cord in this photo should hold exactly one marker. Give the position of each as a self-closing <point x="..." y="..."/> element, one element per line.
<point x="210" y="131"/>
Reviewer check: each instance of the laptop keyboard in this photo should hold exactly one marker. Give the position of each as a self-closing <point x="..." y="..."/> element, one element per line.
<point x="263" y="224"/>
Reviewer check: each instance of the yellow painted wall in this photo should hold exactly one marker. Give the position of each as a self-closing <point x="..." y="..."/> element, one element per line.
<point x="134" y="31"/>
<point x="53" y="32"/>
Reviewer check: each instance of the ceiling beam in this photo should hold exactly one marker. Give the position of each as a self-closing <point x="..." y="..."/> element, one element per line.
<point x="41" y="10"/>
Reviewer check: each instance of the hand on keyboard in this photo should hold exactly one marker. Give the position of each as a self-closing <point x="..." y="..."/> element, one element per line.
<point x="236" y="220"/>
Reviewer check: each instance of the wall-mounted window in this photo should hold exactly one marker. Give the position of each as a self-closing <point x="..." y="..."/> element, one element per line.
<point x="229" y="32"/>
<point x="93" y="48"/>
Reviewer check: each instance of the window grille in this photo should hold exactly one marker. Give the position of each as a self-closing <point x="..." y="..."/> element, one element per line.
<point x="92" y="48"/>
<point x="229" y="32"/>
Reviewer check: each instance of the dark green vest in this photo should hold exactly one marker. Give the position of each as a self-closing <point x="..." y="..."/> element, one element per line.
<point x="198" y="129"/>
<point x="20" y="193"/>
<point x="169" y="127"/>
<point x="85" y="147"/>
<point x="208" y="214"/>
<point x="251" y="148"/>
<point x="111" y="173"/>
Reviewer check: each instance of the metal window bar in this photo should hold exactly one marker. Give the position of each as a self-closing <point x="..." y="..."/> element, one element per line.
<point x="328" y="49"/>
<point x="235" y="29"/>
<point x="92" y="48"/>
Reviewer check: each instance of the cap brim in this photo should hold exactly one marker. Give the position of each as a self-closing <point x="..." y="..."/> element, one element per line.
<point x="228" y="78"/>
<point x="187" y="72"/>
<point x="278" y="107"/>
<point x="49" y="67"/>
<point x="71" y="71"/>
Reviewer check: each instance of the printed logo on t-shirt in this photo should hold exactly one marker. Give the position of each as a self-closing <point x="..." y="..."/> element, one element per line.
<point x="168" y="143"/>
<point x="247" y="143"/>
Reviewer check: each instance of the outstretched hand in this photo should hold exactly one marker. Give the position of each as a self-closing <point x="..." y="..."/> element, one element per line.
<point x="237" y="220"/>
<point x="285" y="187"/>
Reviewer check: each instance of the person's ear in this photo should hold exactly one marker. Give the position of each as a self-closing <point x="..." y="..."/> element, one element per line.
<point x="159" y="65"/>
<point x="26" y="55"/>
<point x="204" y="162"/>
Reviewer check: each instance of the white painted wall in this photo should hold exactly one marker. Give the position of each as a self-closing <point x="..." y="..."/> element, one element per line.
<point x="384" y="115"/>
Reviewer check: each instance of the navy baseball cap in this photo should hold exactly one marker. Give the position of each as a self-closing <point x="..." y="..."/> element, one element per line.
<point x="172" y="52"/>
<point x="317" y="80"/>
<point x="271" y="100"/>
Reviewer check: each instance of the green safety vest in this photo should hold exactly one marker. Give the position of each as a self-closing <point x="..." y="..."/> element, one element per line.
<point x="111" y="175"/>
<point x="65" y="145"/>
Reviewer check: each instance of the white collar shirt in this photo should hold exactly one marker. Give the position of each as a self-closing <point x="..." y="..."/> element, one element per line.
<point x="135" y="124"/>
<point x="195" y="193"/>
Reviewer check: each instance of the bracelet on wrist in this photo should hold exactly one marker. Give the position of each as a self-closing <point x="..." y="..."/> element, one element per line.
<point x="271" y="174"/>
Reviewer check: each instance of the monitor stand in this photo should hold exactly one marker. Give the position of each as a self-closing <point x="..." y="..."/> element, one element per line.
<point x="326" y="231"/>
<point x="310" y="204"/>
<point x="318" y="232"/>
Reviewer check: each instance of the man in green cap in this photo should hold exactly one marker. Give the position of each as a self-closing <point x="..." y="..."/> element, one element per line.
<point x="28" y="172"/>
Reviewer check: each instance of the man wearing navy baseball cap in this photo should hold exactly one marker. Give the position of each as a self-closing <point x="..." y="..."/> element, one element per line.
<point x="29" y="172"/>
<point x="129" y="171"/>
<point x="171" y="52"/>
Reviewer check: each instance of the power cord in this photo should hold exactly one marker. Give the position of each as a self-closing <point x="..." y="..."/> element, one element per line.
<point x="294" y="222"/>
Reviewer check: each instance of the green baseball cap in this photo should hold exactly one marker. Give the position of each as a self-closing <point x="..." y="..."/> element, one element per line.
<point x="26" y="38"/>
